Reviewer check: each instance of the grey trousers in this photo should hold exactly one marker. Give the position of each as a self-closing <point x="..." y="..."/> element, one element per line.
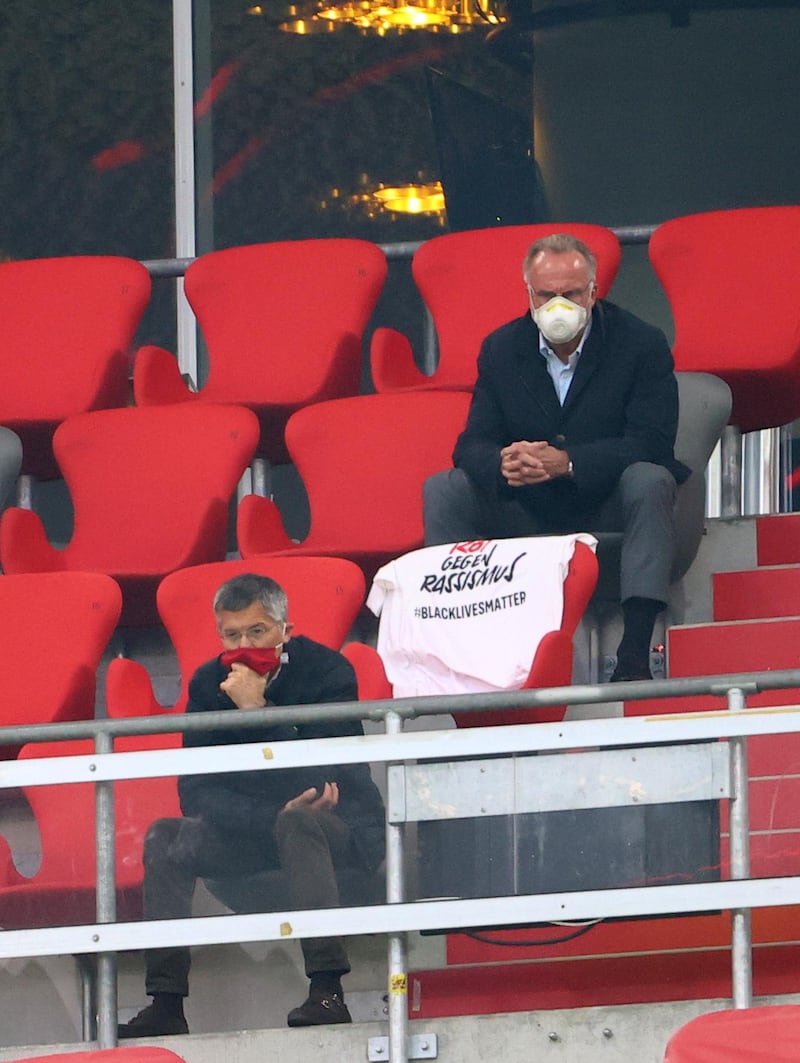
<point x="10" y="462"/>
<point x="306" y="845"/>
<point x="642" y="507"/>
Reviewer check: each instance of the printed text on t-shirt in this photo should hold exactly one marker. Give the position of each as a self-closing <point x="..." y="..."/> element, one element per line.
<point x="459" y="572"/>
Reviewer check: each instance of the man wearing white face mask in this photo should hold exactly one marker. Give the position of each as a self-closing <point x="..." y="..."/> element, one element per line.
<point x="307" y="822"/>
<point x="572" y="428"/>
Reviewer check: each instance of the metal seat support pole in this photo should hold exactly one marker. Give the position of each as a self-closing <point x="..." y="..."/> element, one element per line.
<point x="397" y="948"/>
<point x="25" y="491"/>
<point x="256" y="480"/>
<point x="752" y="473"/>
<point x="262" y="477"/>
<point x="761" y="465"/>
<point x="785" y="469"/>
<point x="731" y="472"/>
<point x="430" y="352"/>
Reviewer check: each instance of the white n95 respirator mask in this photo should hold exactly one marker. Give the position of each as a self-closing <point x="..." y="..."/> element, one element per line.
<point x="559" y="320"/>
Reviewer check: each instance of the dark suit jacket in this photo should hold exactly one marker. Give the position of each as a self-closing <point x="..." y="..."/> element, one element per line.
<point x="622" y="407"/>
<point x="248" y="803"/>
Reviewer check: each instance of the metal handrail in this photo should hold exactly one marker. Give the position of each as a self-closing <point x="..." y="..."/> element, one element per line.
<point x="406" y="708"/>
<point x="397" y="918"/>
<point x="176" y="267"/>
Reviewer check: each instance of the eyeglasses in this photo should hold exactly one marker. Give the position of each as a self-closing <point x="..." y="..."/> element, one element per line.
<point x="254" y="634"/>
<point x="574" y="294"/>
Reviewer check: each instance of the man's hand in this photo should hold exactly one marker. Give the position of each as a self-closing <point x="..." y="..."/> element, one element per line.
<point x="245" y="688"/>
<point x="329" y="798"/>
<point x="532" y="463"/>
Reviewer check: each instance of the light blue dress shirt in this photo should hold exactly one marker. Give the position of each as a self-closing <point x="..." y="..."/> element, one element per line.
<point x="560" y="373"/>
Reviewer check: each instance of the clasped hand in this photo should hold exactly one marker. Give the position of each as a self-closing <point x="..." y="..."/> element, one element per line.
<point x="525" y="463"/>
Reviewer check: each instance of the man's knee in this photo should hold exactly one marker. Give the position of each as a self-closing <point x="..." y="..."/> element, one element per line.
<point x="451" y="511"/>
<point x="434" y="488"/>
<point x="443" y="491"/>
<point x="646" y="482"/>
<point x="160" y="838"/>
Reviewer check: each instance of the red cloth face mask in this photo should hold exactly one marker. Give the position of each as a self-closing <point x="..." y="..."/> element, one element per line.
<point x="264" y="660"/>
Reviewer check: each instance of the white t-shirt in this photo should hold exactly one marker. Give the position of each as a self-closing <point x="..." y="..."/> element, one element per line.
<point x="468" y="617"/>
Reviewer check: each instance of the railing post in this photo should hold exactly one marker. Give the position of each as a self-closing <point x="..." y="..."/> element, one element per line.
<point x="397" y="953"/>
<point x="185" y="197"/>
<point x="106" y="901"/>
<point x="741" y="937"/>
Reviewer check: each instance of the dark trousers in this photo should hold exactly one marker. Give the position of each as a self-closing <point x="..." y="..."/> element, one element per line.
<point x="642" y="507"/>
<point x="306" y="845"/>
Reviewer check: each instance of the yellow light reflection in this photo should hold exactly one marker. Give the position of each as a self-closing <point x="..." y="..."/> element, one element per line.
<point x="384" y="16"/>
<point x="412" y="199"/>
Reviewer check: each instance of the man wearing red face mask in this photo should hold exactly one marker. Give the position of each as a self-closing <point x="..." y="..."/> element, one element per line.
<point x="306" y="821"/>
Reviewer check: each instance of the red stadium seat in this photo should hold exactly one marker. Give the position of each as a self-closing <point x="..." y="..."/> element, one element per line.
<point x="325" y="595"/>
<point x="283" y="323"/>
<point x="51" y="678"/>
<point x="150" y="491"/>
<point x="128" y="1054"/>
<point x="730" y="277"/>
<point x="471" y="283"/>
<point x="373" y="683"/>
<point x="62" y="891"/>
<point x="769" y="1034"/>
<point x="68" y="324"/>
<point x="363" y="462"/>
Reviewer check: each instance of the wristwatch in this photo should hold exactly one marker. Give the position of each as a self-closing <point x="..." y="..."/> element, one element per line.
<point x="570" y="473"/>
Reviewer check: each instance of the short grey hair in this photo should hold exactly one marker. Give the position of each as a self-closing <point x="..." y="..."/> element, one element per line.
<point x="560" y="244"/>
<point x="241" y="591"/>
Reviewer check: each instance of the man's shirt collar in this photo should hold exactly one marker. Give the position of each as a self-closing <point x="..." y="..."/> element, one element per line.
<point x="561" y="373"/>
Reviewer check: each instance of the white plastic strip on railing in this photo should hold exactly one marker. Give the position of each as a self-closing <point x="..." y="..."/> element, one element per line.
<point x="380" y="748"/>
<point x="519" y="910"/>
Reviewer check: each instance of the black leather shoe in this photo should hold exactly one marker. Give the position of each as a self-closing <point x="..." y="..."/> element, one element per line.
<point x="320" y="1009"/>
<point x="630" y="677"/>
<point x="152" y="1022"/>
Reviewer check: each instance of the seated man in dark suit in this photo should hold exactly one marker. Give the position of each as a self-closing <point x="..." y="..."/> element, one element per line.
<point x="308" y="822"/>
<point x="572" y="428"/>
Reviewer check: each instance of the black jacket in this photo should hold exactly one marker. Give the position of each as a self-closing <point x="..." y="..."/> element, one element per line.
<point x="622" y="407"/>
<point x="249" y="802"/>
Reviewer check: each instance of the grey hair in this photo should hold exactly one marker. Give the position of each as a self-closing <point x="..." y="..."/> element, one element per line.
<point x="559" y="244"/>
<point x="241" y="591"/>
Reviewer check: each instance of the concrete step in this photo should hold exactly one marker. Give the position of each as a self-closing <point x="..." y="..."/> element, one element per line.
<point x="767" y="644"/>
<point x="749" y="645"/>
<point x="778" y="539"/>
<point x="581" y="1035"/>
<point x="760" y="593"/>
<point x="723" y="648"/>
<point x="542" y="987"/>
